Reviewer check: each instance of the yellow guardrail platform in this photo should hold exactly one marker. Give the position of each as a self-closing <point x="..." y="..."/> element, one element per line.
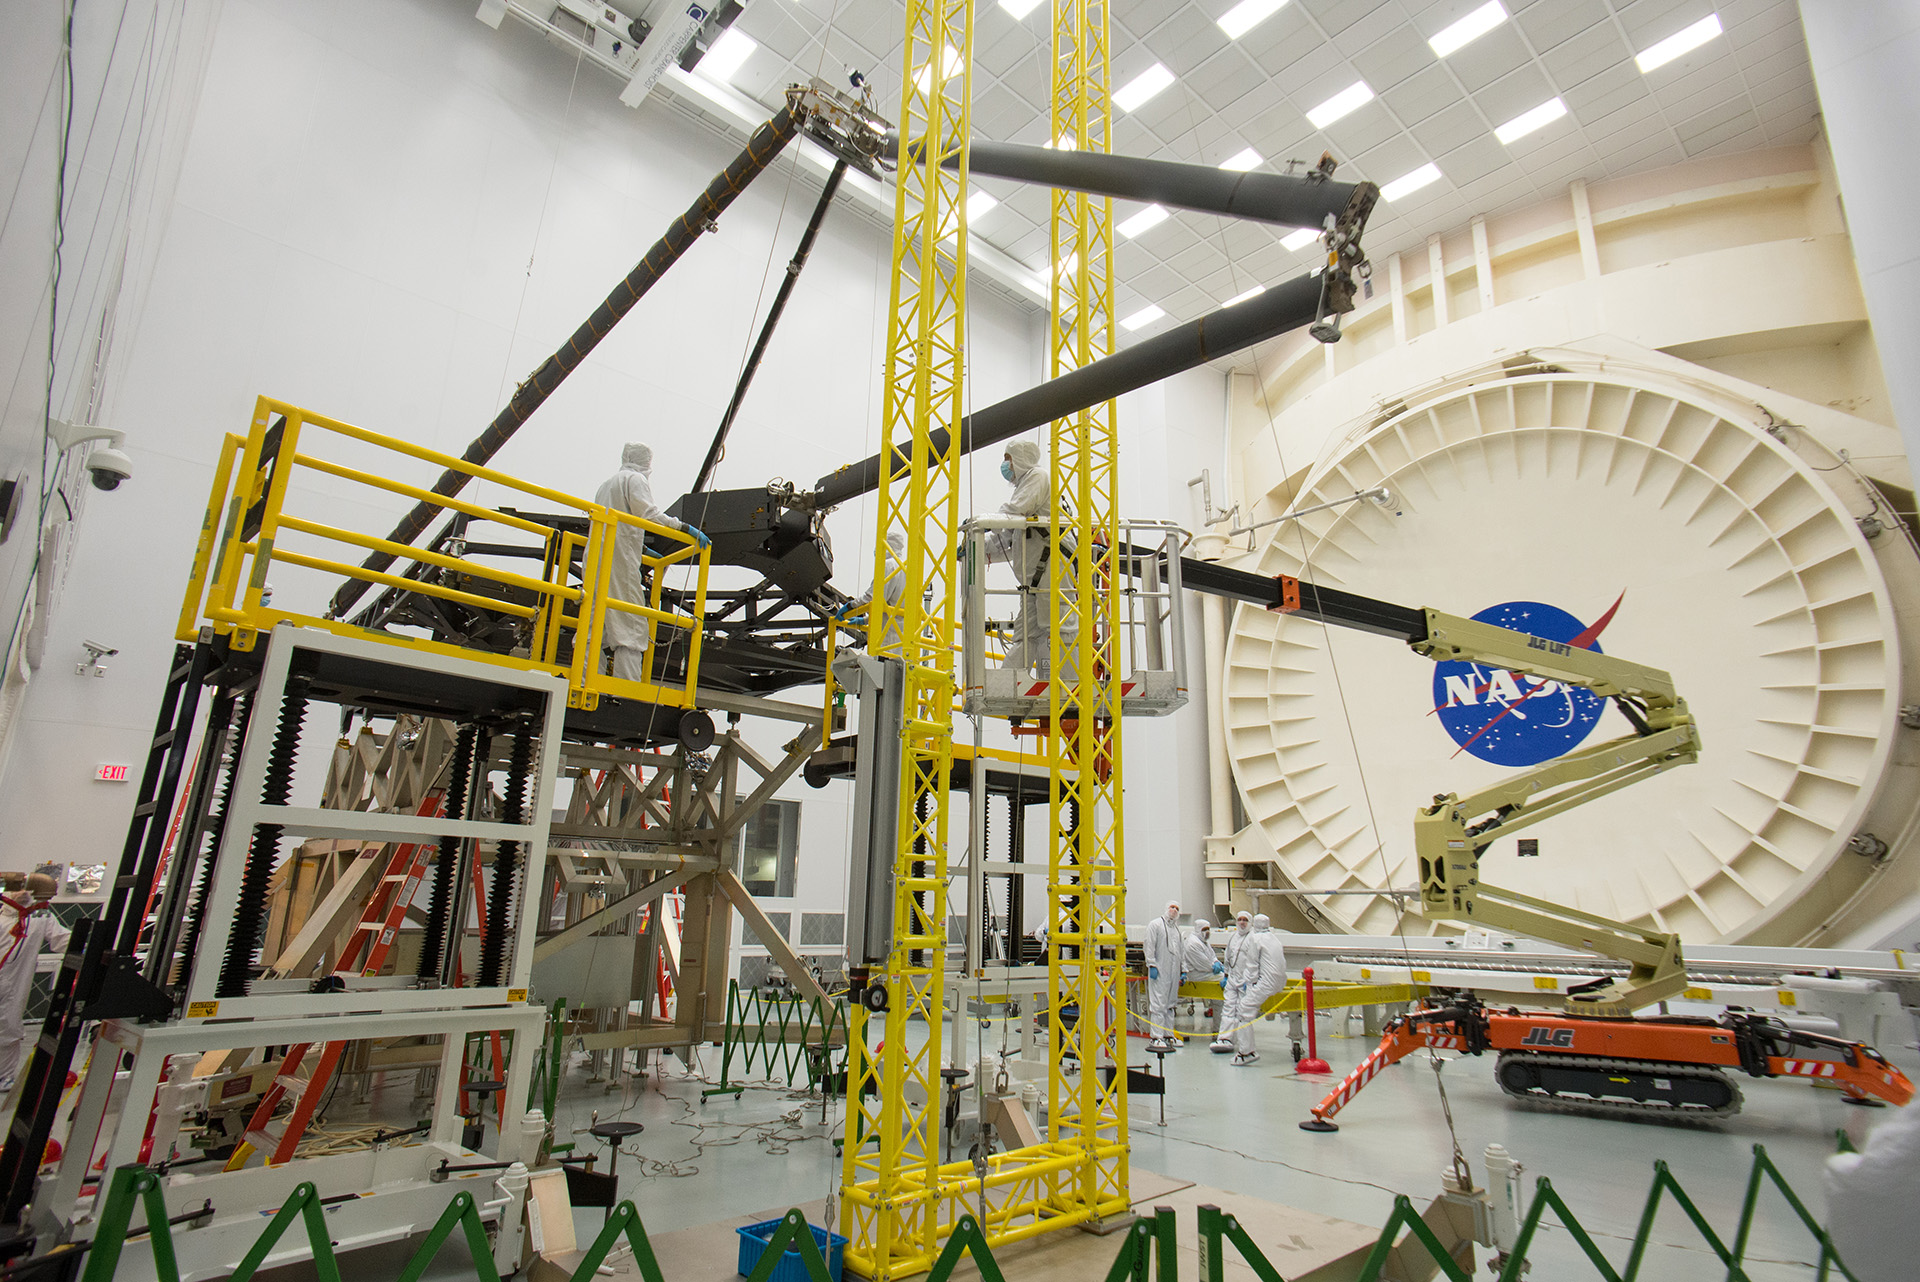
<point x="290" y="452"/>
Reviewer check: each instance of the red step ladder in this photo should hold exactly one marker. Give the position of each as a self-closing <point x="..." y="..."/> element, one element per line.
<point x="372" y="940"/>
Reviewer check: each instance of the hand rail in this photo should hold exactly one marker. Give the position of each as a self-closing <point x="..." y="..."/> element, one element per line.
<point x="276" y="462"/>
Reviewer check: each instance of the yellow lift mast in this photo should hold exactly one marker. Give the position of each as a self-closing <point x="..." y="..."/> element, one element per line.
<point x="1087" y="941"/>
<point x="891" y="1204"/>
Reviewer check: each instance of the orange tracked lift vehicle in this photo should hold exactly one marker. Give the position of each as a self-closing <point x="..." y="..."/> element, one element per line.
<point x="1666" y="1066"/>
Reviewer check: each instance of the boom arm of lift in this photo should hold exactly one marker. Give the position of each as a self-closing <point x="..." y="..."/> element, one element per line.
<point x="1450" y="834"/>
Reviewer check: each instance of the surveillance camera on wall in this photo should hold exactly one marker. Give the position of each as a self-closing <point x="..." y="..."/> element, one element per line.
<point x="107" y="466"/>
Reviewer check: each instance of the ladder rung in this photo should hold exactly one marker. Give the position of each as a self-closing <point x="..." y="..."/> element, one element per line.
<point x="165" y="738"/>
<point x="145" y="809"/>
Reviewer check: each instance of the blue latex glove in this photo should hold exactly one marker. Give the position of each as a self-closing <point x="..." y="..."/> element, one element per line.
<point x="1218" y="969"/>
<point x="700" y="537"/>
<point x="840" y="612"/>
<point x="1153" y="972"/>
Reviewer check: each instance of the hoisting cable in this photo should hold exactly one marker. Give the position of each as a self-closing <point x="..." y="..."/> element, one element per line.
<point x="718" y="449"/>
<point x="767" y="142"/>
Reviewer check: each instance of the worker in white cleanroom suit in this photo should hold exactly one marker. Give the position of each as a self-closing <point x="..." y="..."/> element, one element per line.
<point x="1264" y="962"/>
<point x="1041" y="575"/>
<point x="1166" y="956"/>
<point x="1200" y="961"/>
<point x="26" y="927"/>
<point x="1239" y="945"/>
<point x="1870" y="1200"/>
<point x="629" y="491"/>
<point x="894" y="590"/>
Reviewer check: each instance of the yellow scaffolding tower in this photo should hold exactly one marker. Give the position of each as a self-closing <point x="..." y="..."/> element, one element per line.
<point x="892" y="1184"/>
<point x="1087" y="946"/>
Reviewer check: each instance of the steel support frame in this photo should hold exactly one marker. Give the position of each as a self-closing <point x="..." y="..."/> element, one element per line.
<point x="1087" y="942"/>
<point x="892" y="1203"/>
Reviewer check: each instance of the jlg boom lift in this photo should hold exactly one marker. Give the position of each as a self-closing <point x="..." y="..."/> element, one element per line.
<point x="1593" y="1054"/>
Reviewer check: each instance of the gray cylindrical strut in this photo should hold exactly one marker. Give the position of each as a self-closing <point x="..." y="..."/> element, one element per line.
<point x="1221" y="333"/>
<point x="1289" y="200"/>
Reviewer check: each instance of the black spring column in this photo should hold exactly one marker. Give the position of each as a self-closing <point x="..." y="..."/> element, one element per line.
<point x="181" y="971"/>
<point x="447" y="859"/>
<point x="506" y="865"/>
<point x="249" y="914"/>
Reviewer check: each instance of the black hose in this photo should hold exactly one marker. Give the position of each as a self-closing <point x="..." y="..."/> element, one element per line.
<point x="767" y="143"/>
<point x="506" y="865"/>
<point x="249" y="914"/>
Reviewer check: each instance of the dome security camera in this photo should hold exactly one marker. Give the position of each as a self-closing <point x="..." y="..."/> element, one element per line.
<point x="108" y="467"/>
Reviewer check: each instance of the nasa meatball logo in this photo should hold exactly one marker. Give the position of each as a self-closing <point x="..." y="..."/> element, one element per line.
<point x="1511" y="719"/>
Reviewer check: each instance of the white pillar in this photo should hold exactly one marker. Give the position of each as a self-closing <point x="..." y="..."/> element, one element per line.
<point x="1864" y="53"/>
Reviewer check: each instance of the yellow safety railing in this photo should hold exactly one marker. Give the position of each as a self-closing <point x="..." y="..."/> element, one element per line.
<point x="247" y="525"/>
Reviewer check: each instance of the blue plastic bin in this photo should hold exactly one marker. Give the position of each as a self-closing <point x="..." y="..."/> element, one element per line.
<point x="754" y="1239"/>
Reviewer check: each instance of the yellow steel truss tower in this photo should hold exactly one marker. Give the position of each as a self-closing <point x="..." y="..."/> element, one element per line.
<point x="1086" y="962"/>
<point x="891" y="1204"/>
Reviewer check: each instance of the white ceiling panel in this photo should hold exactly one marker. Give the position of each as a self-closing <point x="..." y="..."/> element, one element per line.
<point x="1748" y="88"/>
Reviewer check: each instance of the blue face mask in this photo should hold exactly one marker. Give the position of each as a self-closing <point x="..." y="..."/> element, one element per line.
<point x="1006" y="469"/>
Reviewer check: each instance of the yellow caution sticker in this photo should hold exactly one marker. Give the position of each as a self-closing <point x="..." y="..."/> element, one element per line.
<point x="202" y="1010"/>
<point x="1789" y="998"/>
<point x="1698" y="994"/>
<point x="1422" y="977"/>
<point x="516" y="994"/>
<point x="1546" y="981"/>
<point x="1365" y="973"/>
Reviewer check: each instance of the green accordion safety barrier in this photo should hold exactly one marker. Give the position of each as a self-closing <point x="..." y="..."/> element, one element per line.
<point x="1148" y="1252"/>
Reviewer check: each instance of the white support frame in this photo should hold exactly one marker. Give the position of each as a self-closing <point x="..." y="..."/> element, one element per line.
<point x="246" y="810"/>
<point x="59" y="1199"/>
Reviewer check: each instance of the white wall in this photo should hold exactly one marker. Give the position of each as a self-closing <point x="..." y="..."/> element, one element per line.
<point x="390" y="213"/>
<point x="136" y="73"/>
<point x="1863" y="54"/>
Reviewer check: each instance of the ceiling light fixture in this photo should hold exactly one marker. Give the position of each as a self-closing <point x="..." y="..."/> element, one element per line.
<point x="1242" y="161"/>
<point x="1299" y="239"/>
<point x="1241" y="298"/>
<point x="1681" y="42"/>
<point x="1145" y="316"/>
<point x="1246" y="15"/>
<point x="1528" y="121"/>
<point x="949" y="63"/>
<point x="723" y="58"/>
<point x="1344" y="103"/>
<point x="1019" y="8"/>
<point x="1468" y="29"/>
<point x="1144" y="221"/>
<point x="1407" y="184"/>
<point x="979" y="203"/>
<point x="1136" y="93"/>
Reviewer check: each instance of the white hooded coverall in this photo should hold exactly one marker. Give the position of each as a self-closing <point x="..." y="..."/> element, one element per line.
<point x="1239" y="945"/>
<point x="894" y="590"/>
<point x="1041" y="575"/>
<point x="1870" y="1201"/>
<point x="1166" y="954"/>
<point x="1200" y="961"/>
<point x="1263" y="962"/>
<point x="24" y="932"/>
<point x="629" y="491"/>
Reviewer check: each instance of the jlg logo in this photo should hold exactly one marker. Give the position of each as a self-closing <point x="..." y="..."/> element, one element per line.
<point x="1560" y="1037"/>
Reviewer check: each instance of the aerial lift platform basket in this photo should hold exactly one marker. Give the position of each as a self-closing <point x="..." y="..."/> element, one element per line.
<point x="1149" y="650"/>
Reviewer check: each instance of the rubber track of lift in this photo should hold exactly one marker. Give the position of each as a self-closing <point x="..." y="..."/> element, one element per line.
<point x="216" y="827"/>
<point x="447" y="857"/>
<point x="1591" y="1107"/>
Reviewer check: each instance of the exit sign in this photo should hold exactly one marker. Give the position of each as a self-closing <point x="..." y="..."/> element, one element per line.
<point x="111" y="773"/>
